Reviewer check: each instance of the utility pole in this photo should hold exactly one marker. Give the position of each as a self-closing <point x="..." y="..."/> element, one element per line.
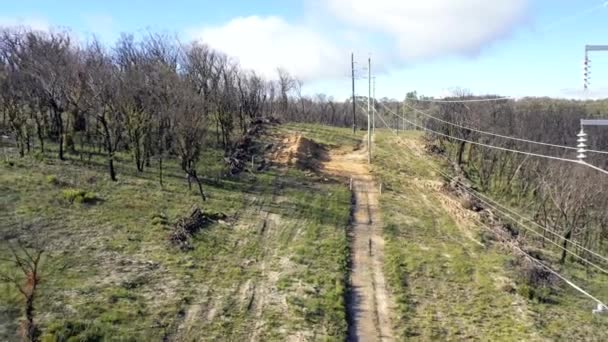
<point x="369" y="94"/>
<point x="374" y="105"/>
<point x="403" y="113"/>
<point x="352" y="63"/>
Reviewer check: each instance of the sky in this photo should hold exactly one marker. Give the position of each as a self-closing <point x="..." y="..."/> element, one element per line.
<point x="506" y="47"/>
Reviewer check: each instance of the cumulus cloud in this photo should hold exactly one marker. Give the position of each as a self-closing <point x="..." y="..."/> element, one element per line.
<point x="395" y="32"/>
<point x="267" y="43"/>
<point x="432" y="28"/>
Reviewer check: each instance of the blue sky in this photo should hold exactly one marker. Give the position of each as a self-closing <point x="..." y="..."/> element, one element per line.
<point x="508" y="47"/>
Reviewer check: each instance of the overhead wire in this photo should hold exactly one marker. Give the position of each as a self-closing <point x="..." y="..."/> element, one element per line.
<point x="515" y="213"/>
<point x="477" y="194"/>
<point x="523" y="225"/>
<point x="574" y="161"/>
<point x="466" y="100"/>
<point x="527" y="219"/>
<point x="498" y="135"/>
<point x="572" y="284"/>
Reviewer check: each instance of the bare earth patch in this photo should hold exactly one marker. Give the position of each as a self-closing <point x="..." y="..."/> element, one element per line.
<point x="369" y="305"/>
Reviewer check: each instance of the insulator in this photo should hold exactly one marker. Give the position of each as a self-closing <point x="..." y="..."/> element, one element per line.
<point x="581" y="156"/>
<point x="581" y="150"/>
<point x="581" y="145"/>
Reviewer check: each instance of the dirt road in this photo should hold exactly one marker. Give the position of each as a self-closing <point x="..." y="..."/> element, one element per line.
<point x="369" y="304"/>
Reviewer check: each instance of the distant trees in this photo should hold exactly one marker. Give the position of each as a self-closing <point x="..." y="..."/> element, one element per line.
<point x="152" y="97"/>
<point x="568" y="199"/>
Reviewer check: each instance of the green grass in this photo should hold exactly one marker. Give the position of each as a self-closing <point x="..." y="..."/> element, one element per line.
<point x="274" y="269"/>
<point x="449" y="286"/>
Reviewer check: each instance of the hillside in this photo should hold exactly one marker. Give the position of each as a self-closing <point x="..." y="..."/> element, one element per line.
<point x="273" y="269"/>
<point x="280" y="258"/>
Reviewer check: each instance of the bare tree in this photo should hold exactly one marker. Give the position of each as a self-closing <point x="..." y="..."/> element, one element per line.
<point x="102" y="83"/>
<point x="190" y="128"/>
<point x="26" y="281"/>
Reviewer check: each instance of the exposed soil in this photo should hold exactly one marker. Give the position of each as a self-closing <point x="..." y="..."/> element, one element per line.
<point x="296" y="150"/>
<point x="369" y="304"/>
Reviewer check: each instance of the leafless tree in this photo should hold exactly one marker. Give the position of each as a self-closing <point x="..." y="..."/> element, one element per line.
<point x="27" y="263"/>
<point x="190" y="129"/>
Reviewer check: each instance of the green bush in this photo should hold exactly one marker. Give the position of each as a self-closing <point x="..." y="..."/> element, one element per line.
<point x="74" y="331"/>
<point x="52" y="179"/>
<point x="160" y="219"/>
<point x="79" y="196"/>
<point x="539" y="294"/>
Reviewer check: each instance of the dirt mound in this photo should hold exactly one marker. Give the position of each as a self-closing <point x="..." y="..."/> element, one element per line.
<point x="303" y="153"/>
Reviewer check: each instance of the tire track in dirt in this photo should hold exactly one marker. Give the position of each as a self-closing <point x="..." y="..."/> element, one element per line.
<point x="368" y="303"/>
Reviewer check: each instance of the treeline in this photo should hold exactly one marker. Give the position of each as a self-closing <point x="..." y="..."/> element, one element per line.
<point x="567" y="199"/>
<point x="153" y="97"/>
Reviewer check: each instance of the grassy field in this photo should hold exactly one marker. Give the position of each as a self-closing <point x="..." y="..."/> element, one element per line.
<point x="273" y="269"/>
<point x="449" y="280"/>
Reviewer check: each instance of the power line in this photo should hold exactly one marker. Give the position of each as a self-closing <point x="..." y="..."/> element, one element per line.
<point x="569" y="282"/>
<point x="466" y="100"/>
<point x="575" y="161"/>
<point x="601" y="305"/>
<point x="475" y="194"/>
<point x="521" y="224"/>
<point x="539" y="234"/>
<point x="573" y="242"/>
<point x="498" y="135"/>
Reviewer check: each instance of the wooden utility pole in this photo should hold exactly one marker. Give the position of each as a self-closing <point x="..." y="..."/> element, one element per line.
<point x="403" y="113"/>
<point x="374" y="105"/>
<point x="352" y="63"/>
<point x="369" y="95"/>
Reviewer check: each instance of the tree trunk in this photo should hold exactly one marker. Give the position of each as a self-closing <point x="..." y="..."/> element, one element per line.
<point x="160" y="170"/>
<point x="461" y="152"/>
<point x="111" y="166"/>
<point x="200" y="186"/>
<point x="30" y="329"/>
<point x="61" y="143"/>
<point x="40" y="139"/>
<point x="27" y="140"/>
<point x="567" y="236"/>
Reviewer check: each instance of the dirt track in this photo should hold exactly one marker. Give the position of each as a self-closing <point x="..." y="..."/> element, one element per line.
<point x="369" y="303"/>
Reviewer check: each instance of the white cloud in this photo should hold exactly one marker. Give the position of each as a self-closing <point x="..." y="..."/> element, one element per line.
<point x="432" y="28"/>
<point x="267" y="43"/>
<point x="33" y="22"/>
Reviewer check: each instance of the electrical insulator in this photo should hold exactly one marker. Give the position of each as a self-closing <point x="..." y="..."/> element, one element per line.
<point x="586" y="72"/>
<point x="582" y="139"/>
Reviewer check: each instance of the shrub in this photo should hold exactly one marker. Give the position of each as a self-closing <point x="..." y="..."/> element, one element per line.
<point x="79" y="196"/>
<point x="38" y="156"/>
<point x="74" y="331"/>
<point x="52" y="179"/>
<point x="160" y="219"/>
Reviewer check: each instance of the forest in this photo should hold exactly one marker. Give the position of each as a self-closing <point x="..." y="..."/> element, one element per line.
<point x="151" y="96"/>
